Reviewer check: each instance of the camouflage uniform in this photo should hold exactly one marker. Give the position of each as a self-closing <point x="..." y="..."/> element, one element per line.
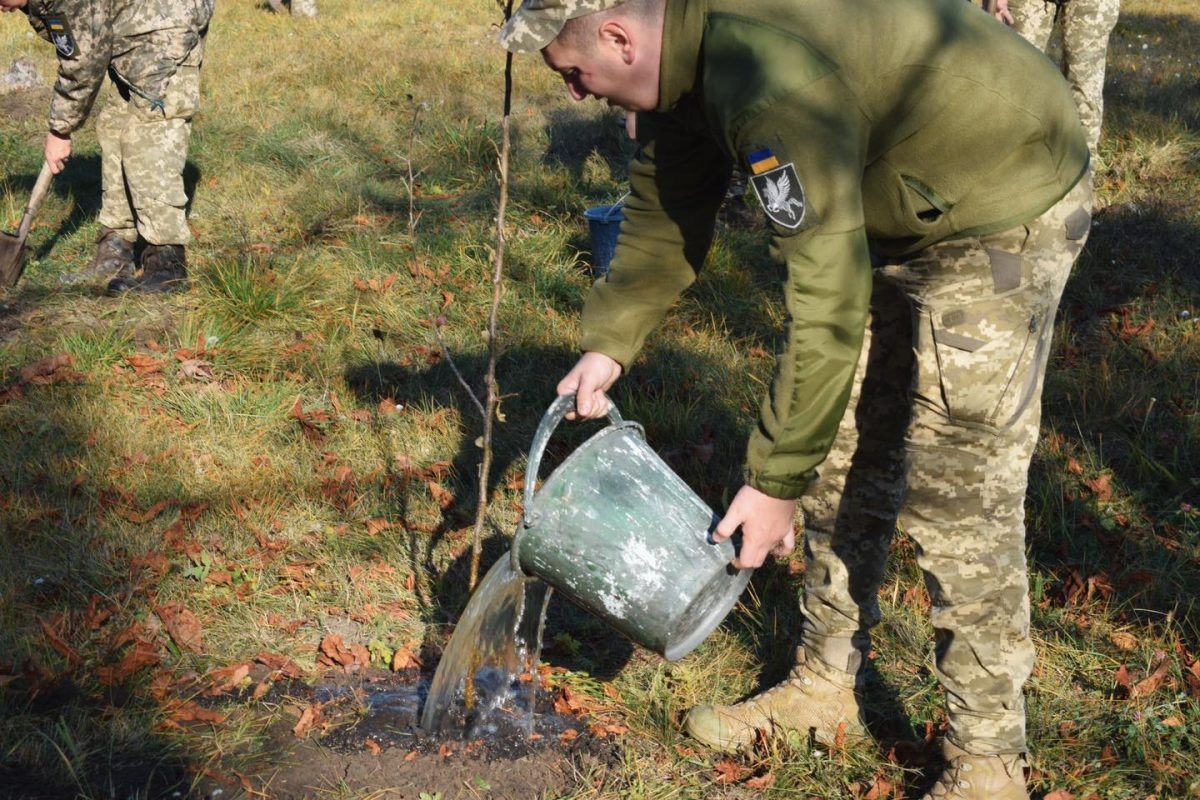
<point x="1086" y="26"/>
<point x="924" y="259"/>
<point x="151" y="52"/>
<point x="940" y="432"/>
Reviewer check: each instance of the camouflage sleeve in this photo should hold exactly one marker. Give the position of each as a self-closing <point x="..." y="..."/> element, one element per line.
<point x="677" y="184"/>
<point x="81" y="34"/>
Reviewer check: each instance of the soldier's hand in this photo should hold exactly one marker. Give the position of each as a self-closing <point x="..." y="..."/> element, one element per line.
<point x="768" y="527"/>
<point x="592" y="376"/>
<point x="58" y="150"/>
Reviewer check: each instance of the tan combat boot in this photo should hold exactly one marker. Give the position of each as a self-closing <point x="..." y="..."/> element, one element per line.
<point x="823" y="702"/>
<point x="972" y="777"/>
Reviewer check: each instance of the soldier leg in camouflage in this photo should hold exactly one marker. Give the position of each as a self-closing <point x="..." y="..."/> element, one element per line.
<point x="985" y="311"/>
<point x="850" y="518"/>
<point x="153" y="150"/>
<point x="118" y="231"/>
<point x="1087" y="25"/>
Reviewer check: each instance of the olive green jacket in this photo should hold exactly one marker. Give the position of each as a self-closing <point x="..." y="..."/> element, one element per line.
<point x="882" y="126"/>
<point x="140" y="42"/>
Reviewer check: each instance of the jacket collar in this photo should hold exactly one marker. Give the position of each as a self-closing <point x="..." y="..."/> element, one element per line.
<point x="683" y="33"/>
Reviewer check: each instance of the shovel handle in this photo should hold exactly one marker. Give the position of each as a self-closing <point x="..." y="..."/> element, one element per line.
<point x="558" y="410"/>
<point x="35" y="200"/>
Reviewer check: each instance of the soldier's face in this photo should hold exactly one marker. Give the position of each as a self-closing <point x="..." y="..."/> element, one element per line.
<point x="11" y="5"/>
<point x="616" y="68"/>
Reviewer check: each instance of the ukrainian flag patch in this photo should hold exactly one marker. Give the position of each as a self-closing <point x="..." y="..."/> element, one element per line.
<point x="762" y="160"/>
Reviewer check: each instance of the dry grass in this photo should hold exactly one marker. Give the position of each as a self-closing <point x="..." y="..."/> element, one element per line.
<point x="284" y="451"/>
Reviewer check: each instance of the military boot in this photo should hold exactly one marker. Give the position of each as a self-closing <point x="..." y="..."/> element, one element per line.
<point x="114" y="257"/>
<point x="971" y="777"/>
<point x="822" y="701"/>
<point x="164" y="269"/>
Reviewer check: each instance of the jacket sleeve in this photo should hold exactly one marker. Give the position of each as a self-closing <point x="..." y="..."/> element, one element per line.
<point x="83" y="57"/>
<point x="827" y="287"/>
<point x="677" y="184"/>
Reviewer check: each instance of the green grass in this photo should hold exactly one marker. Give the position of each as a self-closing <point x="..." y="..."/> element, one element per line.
<point x="238" y="449"/>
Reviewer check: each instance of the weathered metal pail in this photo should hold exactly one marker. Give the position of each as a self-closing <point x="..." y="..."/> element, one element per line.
<point x="621" y="535"/>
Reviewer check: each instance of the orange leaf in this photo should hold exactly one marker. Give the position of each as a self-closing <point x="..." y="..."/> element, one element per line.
<point x="309" y="718"/>
<point x="182" y="626"/>
<point x="144" y="365"/>
<point x="142" y="654"/>
<point x="225" y="679"/>
<point x="142" y="517"/>
<point x="762" y="781"/>
<point x="1100" y="486"/>
<point x="57" y="642"/>
<point x="280" y="664"/>
<point x="729" y="771"/>
<point x="190" y="712"/>
<point x="1059" y="794"/>
<point x="1148" y="685"/>
<point x="441" y="495"/>
<point x="377" y="526"/>
<point x="405" y="659"/>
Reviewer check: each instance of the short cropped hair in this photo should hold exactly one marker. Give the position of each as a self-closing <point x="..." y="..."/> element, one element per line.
<point x="580" y="33"/>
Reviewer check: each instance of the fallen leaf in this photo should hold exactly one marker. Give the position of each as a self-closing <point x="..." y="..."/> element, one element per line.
<point x="196" y="369"/>
<point x="1148" y="685"/>
<point x="1124" y="640"/>
<point x="182" y="626"/>
<point x="729" y="771"/>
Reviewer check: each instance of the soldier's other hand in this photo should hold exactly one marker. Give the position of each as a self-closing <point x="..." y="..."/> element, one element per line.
<point x="767" y="523"/>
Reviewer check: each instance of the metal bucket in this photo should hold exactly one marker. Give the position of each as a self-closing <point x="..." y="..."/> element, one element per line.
<point x="622" y="536"/>
<point x="604" y="224"/>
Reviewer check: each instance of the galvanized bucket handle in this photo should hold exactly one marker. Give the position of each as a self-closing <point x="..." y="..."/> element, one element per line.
<point x="558" y="411"/>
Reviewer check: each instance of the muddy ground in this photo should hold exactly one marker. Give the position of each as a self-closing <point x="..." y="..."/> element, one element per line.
<point x="368" y="741"/>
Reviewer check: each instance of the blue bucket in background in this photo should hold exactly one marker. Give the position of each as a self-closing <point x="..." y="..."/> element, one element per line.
<point x="604" y="223"/>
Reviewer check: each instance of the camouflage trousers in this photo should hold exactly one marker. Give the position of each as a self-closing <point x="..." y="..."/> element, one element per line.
<point x="1085" y="26"/>
<point x="938" y="438"/>
<point x="143" y="152"/>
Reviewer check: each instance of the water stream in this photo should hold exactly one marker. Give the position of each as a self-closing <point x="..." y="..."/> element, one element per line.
<point x="498" y="640"/>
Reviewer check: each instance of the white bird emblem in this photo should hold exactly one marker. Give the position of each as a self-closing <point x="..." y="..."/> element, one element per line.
<point x="779" y="199"/>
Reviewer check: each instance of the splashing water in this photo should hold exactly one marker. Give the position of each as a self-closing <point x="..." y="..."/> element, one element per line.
<point x="498" y="641"/>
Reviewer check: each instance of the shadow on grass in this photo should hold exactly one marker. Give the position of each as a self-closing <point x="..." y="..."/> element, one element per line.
<point x="1121" y="392"/>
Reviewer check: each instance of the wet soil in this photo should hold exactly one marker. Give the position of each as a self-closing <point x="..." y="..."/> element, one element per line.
<point x="367" y="742"/>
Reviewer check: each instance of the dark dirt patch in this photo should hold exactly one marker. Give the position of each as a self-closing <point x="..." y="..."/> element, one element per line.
<point x="25" y="105"/>
<point x="367" y="741"/>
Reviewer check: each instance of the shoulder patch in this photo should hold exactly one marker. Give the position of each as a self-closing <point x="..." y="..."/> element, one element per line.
<point x="781" y="194"/>
<point x="60" y="35"/>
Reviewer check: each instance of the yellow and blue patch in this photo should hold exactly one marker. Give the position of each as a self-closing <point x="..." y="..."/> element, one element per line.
<point x="762" y="160"/>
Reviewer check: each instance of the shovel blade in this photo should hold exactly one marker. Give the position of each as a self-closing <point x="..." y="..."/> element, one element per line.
<point x="12" y="259"/>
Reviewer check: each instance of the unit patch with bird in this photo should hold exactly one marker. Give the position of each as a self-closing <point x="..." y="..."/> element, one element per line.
<point x="778" y="189"/>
